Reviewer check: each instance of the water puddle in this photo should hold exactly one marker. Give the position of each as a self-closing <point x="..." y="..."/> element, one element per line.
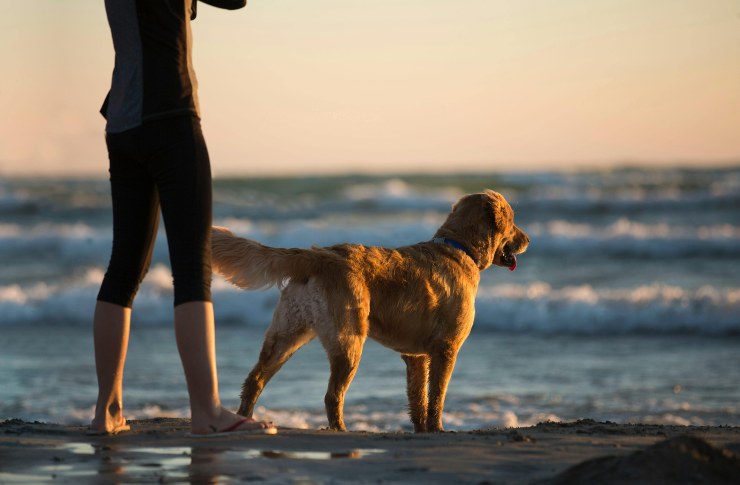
<point x="161" y="463"/>
<point x="6" y="477"/>
<point x="79" y="448"/>
<point x="312" y="455"/>
<point x="64" y="470"/>
<point x="168" y="458"/>
<point x="182" y="456"/>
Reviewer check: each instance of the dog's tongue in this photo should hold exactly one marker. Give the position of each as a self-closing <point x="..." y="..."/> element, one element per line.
<point x="513" y="263"/>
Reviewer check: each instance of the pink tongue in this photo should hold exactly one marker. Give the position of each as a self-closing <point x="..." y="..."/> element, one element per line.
<point x="513" y="263"/>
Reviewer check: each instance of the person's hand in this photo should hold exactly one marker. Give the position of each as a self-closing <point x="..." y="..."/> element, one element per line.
<point x="227" y="4"/>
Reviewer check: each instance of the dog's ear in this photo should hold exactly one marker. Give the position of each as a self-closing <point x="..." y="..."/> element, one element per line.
<point x="499" y="219"/>
<point x="494" y="220"/>
<point x="496" y="207"/>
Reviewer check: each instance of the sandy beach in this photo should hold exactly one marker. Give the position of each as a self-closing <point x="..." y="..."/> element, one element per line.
<point x="159" y="451"/>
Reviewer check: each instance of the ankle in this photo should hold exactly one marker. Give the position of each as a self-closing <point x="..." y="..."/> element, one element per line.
<point x="115" y="409"/>
<point x="108" y="411"/>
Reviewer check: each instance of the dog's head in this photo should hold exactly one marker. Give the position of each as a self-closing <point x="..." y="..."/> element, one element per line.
<point x="484" y="224"/>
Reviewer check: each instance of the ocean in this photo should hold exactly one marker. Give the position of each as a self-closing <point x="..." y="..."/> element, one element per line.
<point x="626" y="307"/>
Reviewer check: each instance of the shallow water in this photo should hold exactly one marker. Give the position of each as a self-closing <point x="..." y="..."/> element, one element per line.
<point x="499" y="380"/>
<point x="626" y="306"/>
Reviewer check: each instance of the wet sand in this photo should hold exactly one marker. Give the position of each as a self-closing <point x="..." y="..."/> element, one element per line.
<point x="159" y="451"/>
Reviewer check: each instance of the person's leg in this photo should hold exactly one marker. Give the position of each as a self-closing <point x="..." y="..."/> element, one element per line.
<point x="196" y="342"/>
<point x="135" y="221"/>
<point x="194" y="332"/>
<point x="110" y="333"/>
<point x="184" y="183"/>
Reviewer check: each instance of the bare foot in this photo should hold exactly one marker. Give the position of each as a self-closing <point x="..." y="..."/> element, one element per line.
<point x="228" y="422"/>
<point x="109" y="426"/>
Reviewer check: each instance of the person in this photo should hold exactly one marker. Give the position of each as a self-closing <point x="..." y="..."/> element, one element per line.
<point x="158" y="159"/>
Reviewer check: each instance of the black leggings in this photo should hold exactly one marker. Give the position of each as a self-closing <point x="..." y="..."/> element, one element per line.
<point x="161" y="163"/>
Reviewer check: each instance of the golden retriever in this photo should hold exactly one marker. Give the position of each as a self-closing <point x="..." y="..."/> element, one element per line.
<point x="417" y="300"/>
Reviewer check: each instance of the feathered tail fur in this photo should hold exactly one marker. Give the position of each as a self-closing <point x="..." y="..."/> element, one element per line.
<point x="251" y="265"/>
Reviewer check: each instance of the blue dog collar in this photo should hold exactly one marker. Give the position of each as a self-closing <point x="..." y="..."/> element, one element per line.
<point x="456" y="245"/>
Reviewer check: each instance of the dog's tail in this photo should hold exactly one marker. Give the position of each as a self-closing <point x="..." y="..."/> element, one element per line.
<point x="251" y="265"/>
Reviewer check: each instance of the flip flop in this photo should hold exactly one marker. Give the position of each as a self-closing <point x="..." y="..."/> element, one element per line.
<point x="101" y="432"/>
<point x="234" y="429"/>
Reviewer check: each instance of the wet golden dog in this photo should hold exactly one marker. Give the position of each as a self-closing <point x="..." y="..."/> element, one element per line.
<point x="417" y="300"/>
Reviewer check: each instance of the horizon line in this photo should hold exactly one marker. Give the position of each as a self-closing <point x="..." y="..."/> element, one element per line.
<point x="438" y="170"/>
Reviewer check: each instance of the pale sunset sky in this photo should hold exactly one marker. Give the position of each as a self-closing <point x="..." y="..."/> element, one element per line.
<point x="297" y="87"/>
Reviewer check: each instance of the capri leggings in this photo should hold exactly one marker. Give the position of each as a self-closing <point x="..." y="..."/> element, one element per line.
<point x="163" y="164"/>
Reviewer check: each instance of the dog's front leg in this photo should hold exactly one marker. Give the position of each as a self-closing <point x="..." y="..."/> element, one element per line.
<point x="417" y="382"/>
<point x="441" y="366"/>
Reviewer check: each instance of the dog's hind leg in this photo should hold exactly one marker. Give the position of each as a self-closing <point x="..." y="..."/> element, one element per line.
<point x="278" y="347"/>
<point x="344" y="358"/>
<point x="417" y="382"/>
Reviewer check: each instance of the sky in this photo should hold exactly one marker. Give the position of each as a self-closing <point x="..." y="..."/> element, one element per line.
<point x="292" y="87"/>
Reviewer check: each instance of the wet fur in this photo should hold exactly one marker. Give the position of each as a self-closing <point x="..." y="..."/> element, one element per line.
<point x="417" y="300"/>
